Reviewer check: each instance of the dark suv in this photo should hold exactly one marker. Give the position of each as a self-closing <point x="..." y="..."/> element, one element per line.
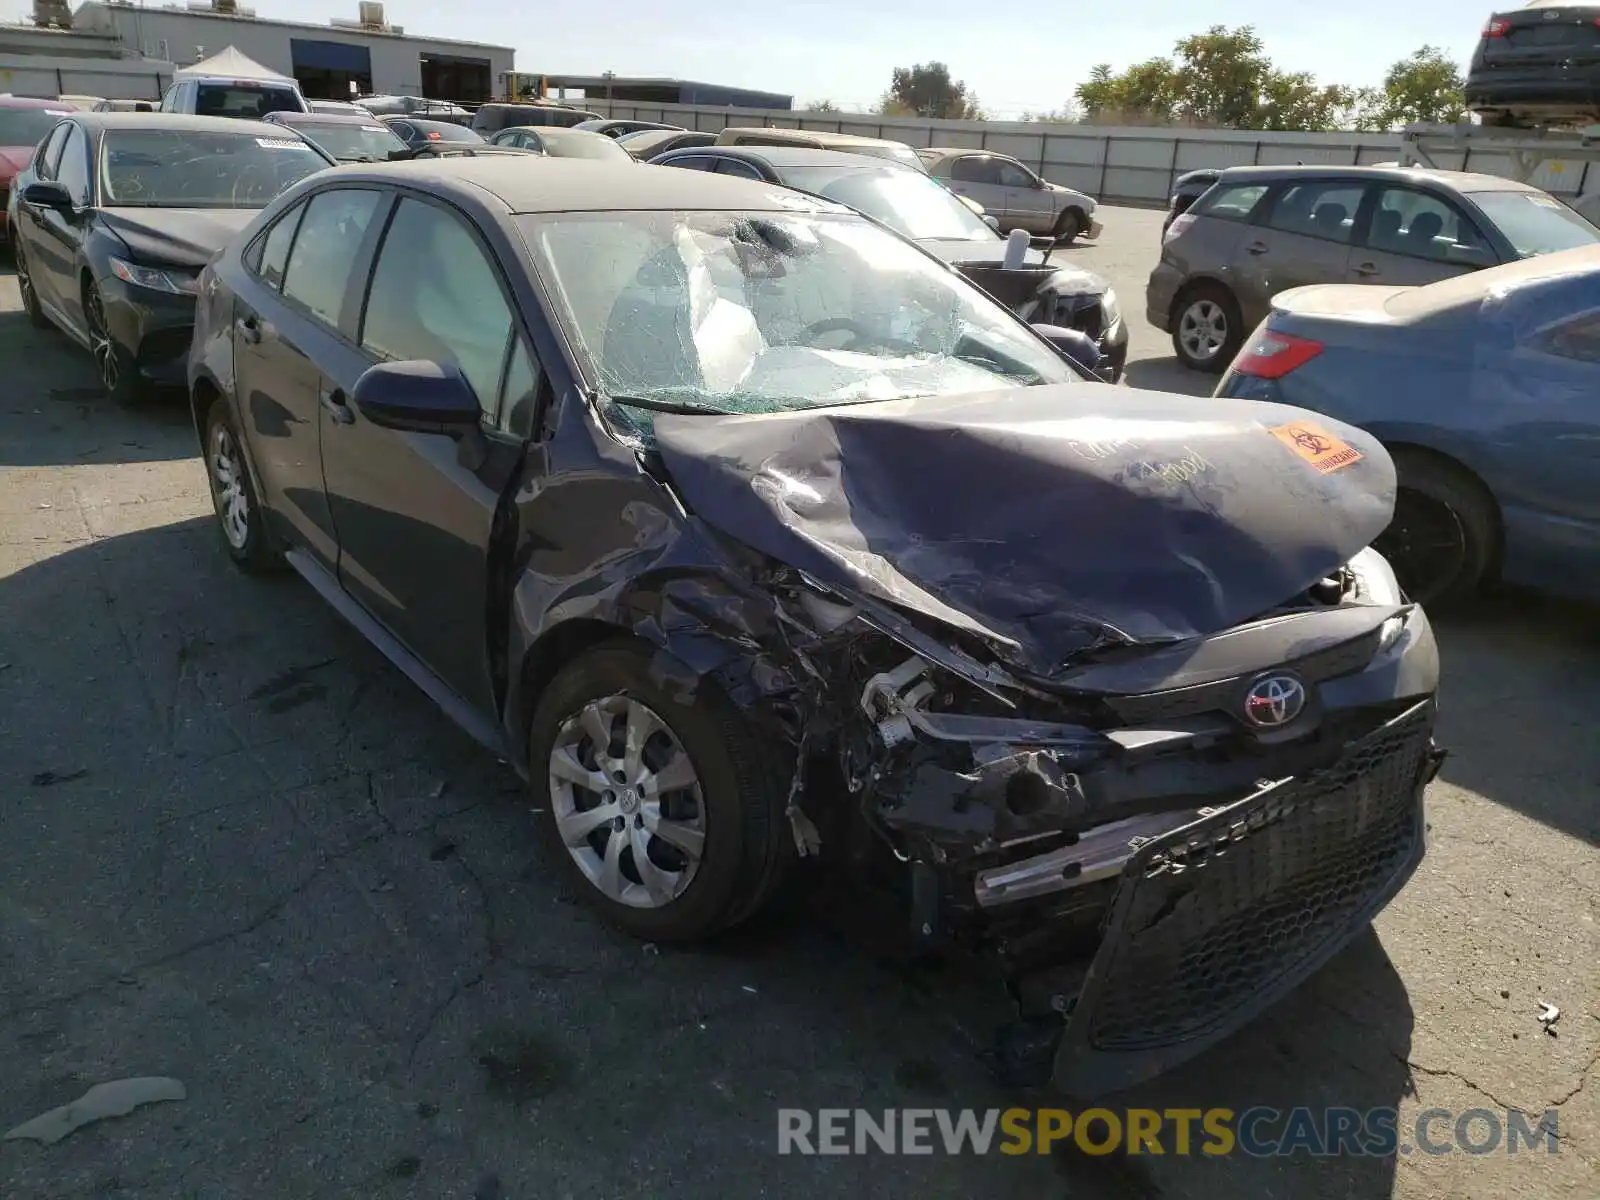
<point x="1538" y="65"/>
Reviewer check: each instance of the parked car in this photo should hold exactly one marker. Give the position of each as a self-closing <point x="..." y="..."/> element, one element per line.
<point x="23" y="125"/>
<point x="242" y="99"/>
<point x="554" y="141"/>
<point x="919" y="208"/>
<point x="1483" y="389"/>
<point x="127" y="106"/>
<point x="117" y="213"/>
<point x="491" y="118"/>
<point x="362" y="138"/>
<point x="416" y="106"/>
<point x="417" y="133"/>
<point x="616" y="128"/>
<point x="647" y="143"/>
<point x="817" y="139"/>
<point x="1186" y="189"/>
<point x="740" y="562"/>
<point x="338" y="108"/>
<point x="1262" y="230"/>
<point x="1012" y="193"/>
<point x="1538" y="65"/>
<point x="81" y="103"/>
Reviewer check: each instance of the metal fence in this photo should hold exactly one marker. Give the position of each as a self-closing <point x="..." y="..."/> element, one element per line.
<point x="1114" y="163"/>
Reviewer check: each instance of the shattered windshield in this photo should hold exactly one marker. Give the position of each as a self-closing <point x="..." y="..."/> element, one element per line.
<point x="907" y="202"/>
<point x="767" y="312"/>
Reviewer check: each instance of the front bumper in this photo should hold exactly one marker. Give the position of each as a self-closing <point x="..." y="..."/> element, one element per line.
<point x="1216" y="921"/>
<point x="155" y="328"/>
<point x="1160" y="293"/>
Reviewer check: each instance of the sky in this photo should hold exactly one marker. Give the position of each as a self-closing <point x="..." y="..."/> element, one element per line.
<point x="845" y="50"/>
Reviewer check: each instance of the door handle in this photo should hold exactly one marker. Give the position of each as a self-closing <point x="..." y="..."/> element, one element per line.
<point x="1256" y="248"/>
<point x="1367" y="268"/>
<point x="333" y="400"/>
<point x="249" y="329"/>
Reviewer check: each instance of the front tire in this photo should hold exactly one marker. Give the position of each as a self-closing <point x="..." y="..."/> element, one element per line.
<point x="30" y="298"/>
<point x="1070" y="225"/>
<point x="240" y="520"/>
<point x="667" y="816"/>
<point x="1207" y="329"/>
<point x="1445" y="535"/>
<point x="119" y="374"/>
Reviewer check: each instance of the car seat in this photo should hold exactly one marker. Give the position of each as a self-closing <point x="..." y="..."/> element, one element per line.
<point x="1386" y="229"/>
<point x="1425" y="227"/>
<point x="1329" y="219"/>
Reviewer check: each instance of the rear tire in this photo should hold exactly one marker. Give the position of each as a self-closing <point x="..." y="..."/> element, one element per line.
<point x="240" y="520"/>
<point x="1207" y="328"/>
<point x="1445" y="535"/>
<point x="701" y="797"/>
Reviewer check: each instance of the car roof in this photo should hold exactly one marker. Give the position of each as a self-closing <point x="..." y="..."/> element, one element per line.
<point x="177" y="123"/>
<point x="319" y="118"/>
<point x="1461" y="181"/>
<point x="419" y="122"/>
<point x="802" y="156"/>
<point x="34" y="102"/>
<point x="531" y="184"/>
<point x="824" y="136"/>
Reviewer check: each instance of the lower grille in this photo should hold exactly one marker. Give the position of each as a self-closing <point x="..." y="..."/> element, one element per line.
<point x="1216" y="920"/>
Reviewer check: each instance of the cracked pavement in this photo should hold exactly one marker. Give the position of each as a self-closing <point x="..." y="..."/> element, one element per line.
<point x="238" y="848"/>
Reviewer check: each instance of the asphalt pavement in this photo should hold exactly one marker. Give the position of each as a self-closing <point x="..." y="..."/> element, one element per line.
<point x="239" y="850"/>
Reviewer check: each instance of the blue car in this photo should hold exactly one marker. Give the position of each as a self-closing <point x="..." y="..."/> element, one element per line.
<point x="1486" y="391"/>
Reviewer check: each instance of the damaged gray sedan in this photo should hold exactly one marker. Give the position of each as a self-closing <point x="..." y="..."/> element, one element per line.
<point x="752" y="534"/>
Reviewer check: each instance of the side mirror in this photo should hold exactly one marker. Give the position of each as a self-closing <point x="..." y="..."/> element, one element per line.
<point x="993" y="223"/>
<point x="47" y="193"/>
<point x="417" y="397"/>
<point x="1072" y="344"/>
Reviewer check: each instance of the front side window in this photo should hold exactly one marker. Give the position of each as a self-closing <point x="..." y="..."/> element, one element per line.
<point x="149" y="168"/>
<point x="48" y="156"/>
<point x="1421" y="225"/>
<point x="736" y="167"/>
<point x="73" y="169"/>
<point x="975" y="169"/>
<point x="325" y="250"/>
<point x="765" y="312"/>
<point x="272" y="252"/>
<point x="1322" y="209"/>
<point x="436" y="296"/>
<point x="1231" y="201"/>
<point x="694" y="162"/>
<point x="28" y="126"/>
<point x="1535" y="223"/>
<point x="1012" y="175"/>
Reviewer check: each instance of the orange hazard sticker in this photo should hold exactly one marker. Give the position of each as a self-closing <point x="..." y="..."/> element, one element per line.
<point x="1317" y="446"/>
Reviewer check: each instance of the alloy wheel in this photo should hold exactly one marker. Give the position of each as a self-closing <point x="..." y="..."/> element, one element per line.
<point x="227" y="482"/>
<point x="1203" y="330"/>
<point x="24" y="280"/>
<point x="100" y="342"/>
<point x="1425" y="543"/>
<point x="627" y="802"/>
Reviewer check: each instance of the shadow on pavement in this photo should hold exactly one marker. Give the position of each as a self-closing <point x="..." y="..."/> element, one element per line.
<point x="53" y="410"/>
<point x="242" y="850"/>
<point x="1169" y="375"/>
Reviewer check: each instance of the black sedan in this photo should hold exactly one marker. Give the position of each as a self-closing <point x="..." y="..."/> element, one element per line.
<point x="117" y="213"/>
<point x="919" y="207"/>
<point x="1186" y="189"/>
<point x="1538" y="65"/>
<point x="419" y="134"/>
<point x="750" y="533"/>
<point x="344" y="137"/>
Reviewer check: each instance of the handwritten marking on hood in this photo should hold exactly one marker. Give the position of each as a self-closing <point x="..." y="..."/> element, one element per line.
<point x="1179" y="470"/>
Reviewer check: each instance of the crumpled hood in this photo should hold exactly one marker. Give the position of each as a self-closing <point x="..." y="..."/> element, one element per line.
<point x="1041" y="515"/>
<point x="184" y="237"/>
<point x="1064" y="277"/>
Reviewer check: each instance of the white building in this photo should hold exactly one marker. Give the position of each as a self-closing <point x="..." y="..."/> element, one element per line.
<point x="368" y="53"/>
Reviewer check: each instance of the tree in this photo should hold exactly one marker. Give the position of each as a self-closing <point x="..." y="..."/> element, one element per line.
<point x="822" y="106"/>
<point x="1427" y="86"/>
<point x="1145" y="94"/>
<point x="1222" y="75"/>
<point x="926" y="90"/>
<point x="1297" y="102"/>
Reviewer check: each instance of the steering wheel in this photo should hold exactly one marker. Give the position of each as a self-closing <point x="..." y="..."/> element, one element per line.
<point x="859" y="337"/>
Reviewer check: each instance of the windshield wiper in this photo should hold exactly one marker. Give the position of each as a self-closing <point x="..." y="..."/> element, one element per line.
<point x="668" y="406"/>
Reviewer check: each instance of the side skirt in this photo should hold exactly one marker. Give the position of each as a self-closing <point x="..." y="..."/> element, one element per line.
<point x="486" y="733"/>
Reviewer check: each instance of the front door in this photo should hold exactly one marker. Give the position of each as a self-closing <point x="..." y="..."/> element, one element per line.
<point x="1416" y="238"/>
<point x="52" y="238"/>
<point x="414" y="511"/>
<point x="1304" y="238"/>
<point x="977" y="177"/>
<point x="286" y="323"/>
<point x="1029" y="203"/>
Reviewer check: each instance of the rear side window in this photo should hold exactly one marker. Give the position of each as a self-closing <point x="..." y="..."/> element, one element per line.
<point x="270" y="255"/>
<point x="694" y="162"/>
<point x="1231" y="202"/>
<point x="1323" y="209"/>
<point x="245" y="101"/>
<point x="975" y="170"/>
<point x="331" y="232"/>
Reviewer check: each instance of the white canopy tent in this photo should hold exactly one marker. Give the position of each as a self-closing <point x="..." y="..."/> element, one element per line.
<point x="232" y="64"/>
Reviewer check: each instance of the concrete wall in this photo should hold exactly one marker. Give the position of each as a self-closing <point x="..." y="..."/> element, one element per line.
<point x="40" y="75"/>
<point x="1121" y="165"/>
<point x="395" y="59"/>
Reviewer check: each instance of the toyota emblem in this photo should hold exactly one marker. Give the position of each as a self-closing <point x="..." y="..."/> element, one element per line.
<point x="1274" y="701"/>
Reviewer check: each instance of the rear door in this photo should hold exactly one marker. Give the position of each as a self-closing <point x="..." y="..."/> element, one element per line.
<point x="291" y="328"/>
<point x="1417" y="237"/>
<point x="1303" y="237"/>
<point x="414" y="511"/>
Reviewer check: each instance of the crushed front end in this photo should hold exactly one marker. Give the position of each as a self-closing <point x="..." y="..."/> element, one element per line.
<point x="1157" y="843"/>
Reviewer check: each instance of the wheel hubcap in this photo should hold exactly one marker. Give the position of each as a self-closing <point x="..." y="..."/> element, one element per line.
<point x="1426" y="545"/>
<point x="228" y="491"/>
<point x="100" y="343"/>
<point x="1203" y="329"/>
<point x="627" y="802"/>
